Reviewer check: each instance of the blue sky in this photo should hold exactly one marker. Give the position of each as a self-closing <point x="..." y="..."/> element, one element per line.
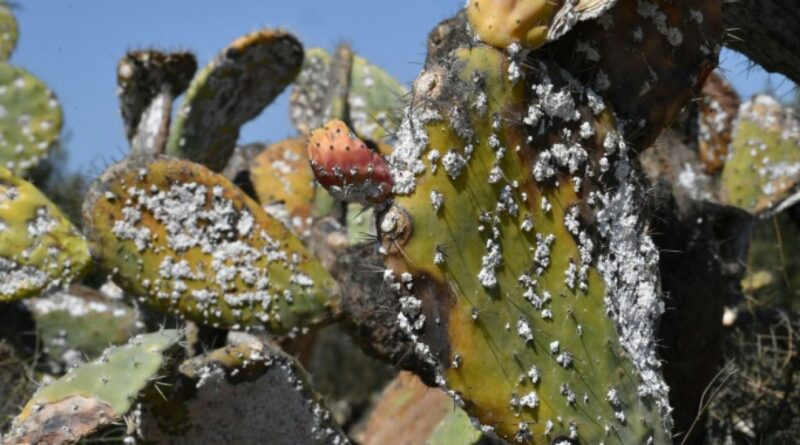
<point x="74" y="46"/>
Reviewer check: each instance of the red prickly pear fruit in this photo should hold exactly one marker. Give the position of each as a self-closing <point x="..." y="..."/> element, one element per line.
<point x="346" y="167"/>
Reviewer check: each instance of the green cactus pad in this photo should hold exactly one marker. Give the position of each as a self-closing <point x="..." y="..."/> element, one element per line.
<point x="9" y="31"/>
<point x="762" y="171"/>
<point x="246" y="393"/>
<point x="95" y="394"/>
<point x="39" y="248"/>
<point x="231" y="90"/>
<point x="492" y="245"/>
<point x="374" y="98"/>
<point x="409" y="412"/>
<point x="186" y="240"/>
<point x="308" y="98"/>
<point x="144" y="75"/>
<point x="30" y="119"/>
<point x="80" y="323"/>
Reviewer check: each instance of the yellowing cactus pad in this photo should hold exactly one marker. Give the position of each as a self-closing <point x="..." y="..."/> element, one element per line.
<point x="493" y="244"/>
<point x="762" y="171"/>
<point x="530" y="23"/>
<point x="39" y="248"/>
<point x="187" y="240"/>
<point x="9" y="31"/>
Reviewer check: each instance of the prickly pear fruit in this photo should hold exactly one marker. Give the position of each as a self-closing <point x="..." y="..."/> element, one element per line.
<point x="30" y="121"/>
<point x="186" y="240"/>
<point x="717" y="110"/>
<point x="628" y="56"/>
<point x="39" y="248"/>
<point x="93" y="395"/>
<point x="346" y="167"/>
<point x="245" y="383"/>
<point x="9" y="31"/>
<point x="762" y="170"/>
<point x="517" y="243"/>
<point x="231" y="90"/>
<point x="530" y="23"/>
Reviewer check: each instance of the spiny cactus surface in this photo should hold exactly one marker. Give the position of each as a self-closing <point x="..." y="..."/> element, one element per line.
<point x="30" y="119"/>
<point x="231" y="90"/>
<point x="763" y="168"/>
<point x="373" y="98"/>
<point x="93" y="395"/>
<point x="538" y="323"/>
<point x="144" y="75"/>
<point x="717" y="111"/>
<point x="409" y="412"/>
<point x="39" y="248"/>
<point x="531" y="23"/>
<point x="245" y="393"/>
<point x="187" y="240"/>
<point x="647" y="58"/>
<point x="79" y="323"/>
<point x="284" y="184"/>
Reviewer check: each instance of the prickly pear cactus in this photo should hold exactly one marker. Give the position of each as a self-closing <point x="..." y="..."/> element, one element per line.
<point x="647" y="58"/>
<point x="373" y="98"/>
<point x="231" y="90"/>
<point x="717" y="111"/>
<point x="285" y="187"/>
<point x="186" y="240"/>
<point x="409" y="412"/>
<point x="531" y="23"/>
<point x="246" y="393"/>
<point x="763" y="168"/>
<point x="93" y="395"/>
<point x="346" y="167"/>
<point x="39" y="248"/>
<point x="773" y="266"/>
<point x="516" y="242"/>
<point x="79" y="323"/>
<point x="144" y="75"/>
<point x="9" y="31"/>
<point x="30" y="119"/>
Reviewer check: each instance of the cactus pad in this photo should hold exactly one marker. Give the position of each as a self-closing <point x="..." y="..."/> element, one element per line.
<point x="492" y="245"/>
<point x="285" y="187"/>
<point x="629" y="56"/>
<point x="773" y="267"/>
<point x="80" y="323"/>
<point x="373" y="97"/>
<point x="39" y="248"/>
<point x="717" y="110"/>
<point x="187" y="240"/>
<point x="346" y="167"/>
<point x="30" y="119"/>
<point x="144" y="75"/>
<point x="409" y="412"/>
<point x="231" y="90"/>
<point x="246" y="393"/>
<point x="93" y="395"/>
<point x="763" y="168"/>
<point x="9" y="31"/>
<point x="530" y="23"/>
